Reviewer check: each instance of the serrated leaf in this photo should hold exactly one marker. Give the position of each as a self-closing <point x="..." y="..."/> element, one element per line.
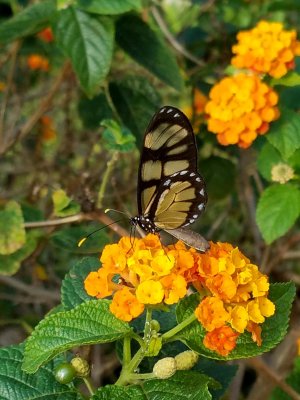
<point x="88" y="323"/>
<point x="290" y="79"/>
<point x="27" y="22"/>
<point x="10" y="263"/>
<point x="15" y="384"/>
<point x="135" y="100"/>
<point x="12" y="232"/>
<point x="117" y="137"/>
<point x="88" y="41"/>
<point x="113" y="392"/>
<point x="267" y="158"/>
<point x="273" y="329"/>
<point x="72" y="291"/>
<point x="277" y="210"/>
<point x="285" y="133"/>
<point x="138" y="40"/>
<point x="105" y="7"/>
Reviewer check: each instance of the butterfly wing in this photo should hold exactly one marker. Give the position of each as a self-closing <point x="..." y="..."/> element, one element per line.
<point x="191" y="238"/>
<point x="169" y="147"/>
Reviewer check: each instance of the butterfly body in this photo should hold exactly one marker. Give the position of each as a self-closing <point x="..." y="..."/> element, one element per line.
<point x="171" y="193"/>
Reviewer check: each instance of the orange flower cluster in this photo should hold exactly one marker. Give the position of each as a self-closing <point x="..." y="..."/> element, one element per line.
<point x="46" y="35"/>
<point x="37" y="62"/>
<point x="267" y="48"/>
<point x="146" y="273"/>
<point x="47" y="129"/>
<point x="241" y="108"/>
<point x="195" y="113"/>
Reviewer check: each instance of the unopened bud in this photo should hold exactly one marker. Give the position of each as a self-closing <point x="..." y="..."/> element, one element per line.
<point x="165" y="368"/>
<point x="81" y="367"/>
<point x="186" y="360"/>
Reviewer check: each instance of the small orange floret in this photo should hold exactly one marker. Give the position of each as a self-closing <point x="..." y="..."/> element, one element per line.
<point x="37" y="62"/>
<point x="125" y="305"/>
<point x="46" y="35"/>
<point x="221" y="340"/>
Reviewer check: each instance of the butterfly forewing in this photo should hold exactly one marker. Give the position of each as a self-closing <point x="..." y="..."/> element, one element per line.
<point x="169" y="147"/>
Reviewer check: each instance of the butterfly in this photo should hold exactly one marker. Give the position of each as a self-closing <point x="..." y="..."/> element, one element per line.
<point x="171" y="193"/>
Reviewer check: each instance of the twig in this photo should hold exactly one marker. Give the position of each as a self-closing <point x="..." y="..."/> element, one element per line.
<point x="30" y="289"/>
<point x="109" y="168"/>
<point x="44" y="106"/>
<point x="173" y="41"/>
<point x="55" y="222"/>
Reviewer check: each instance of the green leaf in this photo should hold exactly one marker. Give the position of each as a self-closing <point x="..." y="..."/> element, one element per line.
<point x="113" y="392"/>
<point x="116" y="137"/>
<point x="88" y="41"/>
<point x="27" y="22"/>
<point x="88" y="323"/>
<point x="267" y="158"/>
<point x="10" y="264"/>
<point x="277" y="210"/>
<point x="93" y="111"/>
<point x="135" y="100"/>
<point x="15" y="384"/>
<point x="273" y="329"/>
<point x="72" y="291"/>
<point x="63" y="204"/>
<point x="105" y="7"/>
<point x="12" y="233"/>
<point x="142" y="44"/>
<point x="219" y="176"/>
<point x="290" y="79"/>
<point x="285" y="133"/>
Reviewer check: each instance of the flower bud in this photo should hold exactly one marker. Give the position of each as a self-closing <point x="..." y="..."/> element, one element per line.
<point x="154" y="346"/>
<point x="165" y="368"/>
<point x="186" y="360"/>
<point x="81" y="367"/>
<point x="282" y="173"/>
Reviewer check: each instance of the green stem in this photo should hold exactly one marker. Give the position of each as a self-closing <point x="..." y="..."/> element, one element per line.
<point x="172" y="332"/>
<point x="126" y="350"/>
<point x="147" y="329"/>
<point x="133" y="364"/>
<point x="107" y="173"/>
<point x="148" y="375"/>
<point x="89" y="385"/>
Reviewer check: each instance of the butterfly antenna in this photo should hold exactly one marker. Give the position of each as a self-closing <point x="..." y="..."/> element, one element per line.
<point x="81" y="241"/>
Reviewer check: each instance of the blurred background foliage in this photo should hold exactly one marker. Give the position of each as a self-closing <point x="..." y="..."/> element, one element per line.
<point x="79" y="82"/>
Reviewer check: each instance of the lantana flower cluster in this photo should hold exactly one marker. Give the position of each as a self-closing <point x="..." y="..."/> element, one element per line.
<point x="241" y="107"/>
<point x="145" y="273"/>
<point x="37" y="62"/>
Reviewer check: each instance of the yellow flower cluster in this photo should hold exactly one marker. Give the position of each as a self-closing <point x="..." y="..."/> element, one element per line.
<point x="143" y="273"/>
<point x="241" y="108"/>
<point x="267" y="48"/>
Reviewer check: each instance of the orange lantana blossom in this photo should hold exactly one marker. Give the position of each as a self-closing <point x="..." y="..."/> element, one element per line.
<point x="195" y="112"/>
<point x="267" y="48"/>
<point x="145" y="273"/>
<point x="240" y="108"/>
<point x="38" y="62"/>
<point x="46" y="35"/>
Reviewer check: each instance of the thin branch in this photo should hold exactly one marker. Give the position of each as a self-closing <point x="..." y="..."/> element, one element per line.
<point x="44" y="106"/>
<point x="30" y="289"/>
<point x="173" y="41"/>
<point x="55" y="222"/>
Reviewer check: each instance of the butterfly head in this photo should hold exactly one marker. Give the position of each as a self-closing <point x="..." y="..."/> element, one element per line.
<point x="145" y="223"/>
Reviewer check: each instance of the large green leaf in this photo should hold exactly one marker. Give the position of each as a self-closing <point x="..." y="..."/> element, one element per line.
<point x="9" y="264"/>
<point x="88" y="41"/>
<point x="273" y="329"/>
<point x="12" y="232"/>
<point x="290" y="79"/>
<point x="277" y="210"/>
<point x="93" y="111"/>
<point x="267" y="158"/>
<point x="139" y="41"/>
<point x="135" y="100"/>
<point x="88" y="323"/>
<point x="285" y="133"/>
<point x="15" y="384"/>
<point x="111" y="7"/>
<point x="72" y="291"/>
<point x="27" y="22"/>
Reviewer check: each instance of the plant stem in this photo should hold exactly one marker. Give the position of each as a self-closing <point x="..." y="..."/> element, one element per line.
<point x="110" y="165"/>
<point x="148" y="375"/>
<point x="126" y="350"/>
<point x="89" y="385"/>
<point x="172" y="332"/>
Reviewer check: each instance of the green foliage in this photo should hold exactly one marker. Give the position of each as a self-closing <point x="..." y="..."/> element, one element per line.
<point x="88" y="323"/>
<point x="291" y="79"/>
<point x="104" y="7"/>
<point x="63" y="204"/>
<point x="142" y="44"/>
<point x="15" y="384"/>
<point x="88" y="42"/>
<point x="274" y="328"/>
<point x="267" y="158"/>
<point x="292" y="380"/>
<point x="12" y="234"/>
<point x="116" y="137"/>
<point x="277" y="211"/>
<point x="27" y="22"/>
